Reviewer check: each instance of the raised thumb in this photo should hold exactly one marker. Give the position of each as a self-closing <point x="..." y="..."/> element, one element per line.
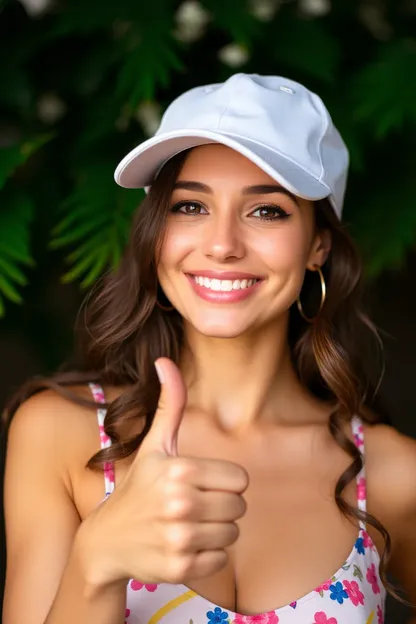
<point x="163" y="434"/>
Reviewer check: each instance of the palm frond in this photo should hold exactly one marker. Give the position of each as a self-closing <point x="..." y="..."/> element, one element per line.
<point x="95" y="224"/>
<point x="16" y="213"/>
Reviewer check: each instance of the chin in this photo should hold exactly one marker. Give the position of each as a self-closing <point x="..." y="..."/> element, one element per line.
<point x="218" y="328"/>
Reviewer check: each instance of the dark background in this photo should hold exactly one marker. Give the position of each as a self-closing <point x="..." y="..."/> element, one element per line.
<point x="73" y="82"/>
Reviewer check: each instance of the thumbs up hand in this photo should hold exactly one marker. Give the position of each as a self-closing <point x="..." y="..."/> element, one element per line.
<point x="171" y="518"/>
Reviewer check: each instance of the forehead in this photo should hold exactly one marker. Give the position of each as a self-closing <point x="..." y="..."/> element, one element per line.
<point x="219" y="162"/>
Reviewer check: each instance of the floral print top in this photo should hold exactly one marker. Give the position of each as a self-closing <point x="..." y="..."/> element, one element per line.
<point x="354" y="594"/>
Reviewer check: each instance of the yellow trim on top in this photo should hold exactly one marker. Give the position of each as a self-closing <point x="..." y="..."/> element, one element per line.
<point x="171" y="605"/>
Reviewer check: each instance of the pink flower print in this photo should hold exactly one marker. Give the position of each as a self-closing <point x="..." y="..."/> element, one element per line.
<point x="380" y="618"/>
<point x="359" y="437"/>
<point x="359" y="442"/>
<point x="353" y="590"/>
<point x="293" y="604"/>
<point x="372" y="578"/>
<point x="109" y="471"/>
<point x="361" y="489"/>
<point x="324" y="587"/>
<point x="263" y="618"/>
<point x="104" y="438"/>
<point x="98" y="394"/>
<point x="126" y="615"/>
<point x="321" y="618"/>
<point x="367" y="541"/>
<point x="137" y="585"/>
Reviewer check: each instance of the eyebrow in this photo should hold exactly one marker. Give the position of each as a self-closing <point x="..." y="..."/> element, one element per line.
<point x="257" y="189"/>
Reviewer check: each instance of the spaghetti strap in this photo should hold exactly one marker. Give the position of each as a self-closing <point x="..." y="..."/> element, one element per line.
<point x="105" y="441"/>
<point x="358" y="435"/>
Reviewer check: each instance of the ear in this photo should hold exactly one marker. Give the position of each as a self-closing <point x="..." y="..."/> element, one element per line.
<point x="320" y="248"/>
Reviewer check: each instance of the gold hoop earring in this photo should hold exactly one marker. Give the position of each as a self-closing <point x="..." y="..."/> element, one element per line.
<point x="323" y="297"/>
<point x="164" y="308"/>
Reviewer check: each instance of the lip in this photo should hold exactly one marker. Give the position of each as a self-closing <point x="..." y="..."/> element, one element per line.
<point x="231" y="296"/>
<point x="225" y="275"/>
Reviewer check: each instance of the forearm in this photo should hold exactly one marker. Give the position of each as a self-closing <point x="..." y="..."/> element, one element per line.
<point x="80" y="600"/>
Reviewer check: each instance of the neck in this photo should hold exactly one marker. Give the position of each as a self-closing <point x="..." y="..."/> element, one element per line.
<point x="245" y="380"/>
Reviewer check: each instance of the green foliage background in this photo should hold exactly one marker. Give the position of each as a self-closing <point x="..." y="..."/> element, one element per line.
<point x="102" y="60"/>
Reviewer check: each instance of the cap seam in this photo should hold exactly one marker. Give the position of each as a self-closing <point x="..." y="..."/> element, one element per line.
<point x="226" y="107"/>
<point x="324" y="129"/>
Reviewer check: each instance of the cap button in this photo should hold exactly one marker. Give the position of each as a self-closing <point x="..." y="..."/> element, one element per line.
<point x="287" y="89"/>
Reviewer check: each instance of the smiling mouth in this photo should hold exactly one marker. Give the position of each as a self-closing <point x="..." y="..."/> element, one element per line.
<point x="217" y="285"/>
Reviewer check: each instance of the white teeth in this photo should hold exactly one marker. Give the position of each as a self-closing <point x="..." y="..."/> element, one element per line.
<point x="224" y="285"/>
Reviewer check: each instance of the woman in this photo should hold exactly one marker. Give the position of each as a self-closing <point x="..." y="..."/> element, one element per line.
<point x="242" y="487"/>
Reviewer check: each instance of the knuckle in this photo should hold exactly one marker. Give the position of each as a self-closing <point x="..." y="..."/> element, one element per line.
<point x="181" y="470"/>
<point x="178" y="538"/>
<point x="170" y="489"/>
<point x="179" y="568"/>
<point x="177" y="506"/>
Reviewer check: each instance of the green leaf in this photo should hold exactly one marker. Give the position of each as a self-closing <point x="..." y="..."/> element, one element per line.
<point x="92" y="223"/>
<point x="382" y="217"/>
<point x="235" y="19"/>
<point x="10" y="270"/>
<point x="16" y="214"/>
<point x="8" y="290"/>
<point x="155" y="70"/>
<point x="384" y="96"/>
<point x="12" y="157"/>
<point x="357" y="572"/>
<point x="95" y="223"/>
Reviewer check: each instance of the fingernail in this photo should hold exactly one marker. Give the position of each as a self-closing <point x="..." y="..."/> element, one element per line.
<point x="159" y="373"/>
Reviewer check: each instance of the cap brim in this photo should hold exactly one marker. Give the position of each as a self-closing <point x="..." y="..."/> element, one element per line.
<point x="140" y="167"/>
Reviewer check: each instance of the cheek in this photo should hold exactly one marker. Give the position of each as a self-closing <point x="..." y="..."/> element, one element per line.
<point x="178" y="243"/>
<point x="286" y="250"/>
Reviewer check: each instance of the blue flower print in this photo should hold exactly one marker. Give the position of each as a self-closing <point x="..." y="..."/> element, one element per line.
<point x="338" y="593"/>
<point x="359" y="545"/>
<point x="218" y="616"/>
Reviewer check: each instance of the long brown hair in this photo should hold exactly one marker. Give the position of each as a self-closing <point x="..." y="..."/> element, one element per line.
<point x="122" y="332"/>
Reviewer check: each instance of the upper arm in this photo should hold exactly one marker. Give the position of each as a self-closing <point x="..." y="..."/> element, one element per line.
<point x="403" y="557"/>
<point x="41" y="519"/>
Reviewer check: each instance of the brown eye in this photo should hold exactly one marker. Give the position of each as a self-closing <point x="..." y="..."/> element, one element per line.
<point x="189" y="208"/>
<point x="270" y="213"/>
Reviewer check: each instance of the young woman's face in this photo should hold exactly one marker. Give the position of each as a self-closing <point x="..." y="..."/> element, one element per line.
<point x="236" y="246"/>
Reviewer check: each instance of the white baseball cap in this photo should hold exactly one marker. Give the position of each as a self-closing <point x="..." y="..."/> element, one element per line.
<point x="277" y="123"/>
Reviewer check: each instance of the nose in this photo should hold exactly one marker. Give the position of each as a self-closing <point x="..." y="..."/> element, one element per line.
<point x="223" y="238"/>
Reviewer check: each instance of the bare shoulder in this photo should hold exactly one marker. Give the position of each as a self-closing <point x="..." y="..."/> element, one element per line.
<point x="45" y="416"/>
<point x="53" y="427"/>
<point x="391" y="467"/>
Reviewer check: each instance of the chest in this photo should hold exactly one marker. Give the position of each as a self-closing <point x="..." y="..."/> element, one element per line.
<point x="292" y="537"/>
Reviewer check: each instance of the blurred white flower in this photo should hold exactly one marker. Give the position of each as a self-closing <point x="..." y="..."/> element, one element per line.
<point x="234" y="55"/>
<point x="374" y="19"/>
<point x="50" y="108"/>
<point x="315" y="8"/>
<point x="264" y="10"/>
<point x="191" y="19"/>
<point x="148" y="114"/>
<point x="36" y="7"/>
